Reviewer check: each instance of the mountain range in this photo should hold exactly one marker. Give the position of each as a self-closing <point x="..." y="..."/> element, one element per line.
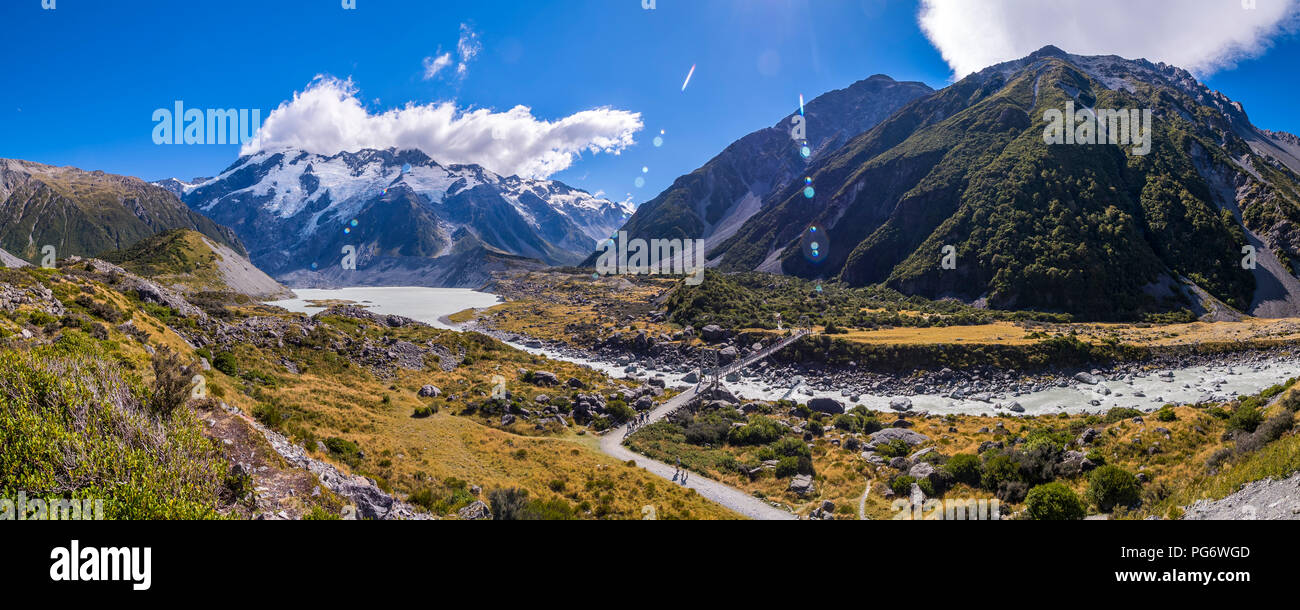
<point x="712" y="202"/>
<point x="1090" y="229"/>
<point x="409" y="218"/>
<point x="951" y="193"/>
<point x="85" y="213"/>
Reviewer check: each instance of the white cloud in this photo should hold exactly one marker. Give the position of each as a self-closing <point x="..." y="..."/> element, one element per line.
<point x="327" y="118"/>
<point x="1199" y="35"/>
<point x="468" y="47"/>
<point x="434" y="65"/>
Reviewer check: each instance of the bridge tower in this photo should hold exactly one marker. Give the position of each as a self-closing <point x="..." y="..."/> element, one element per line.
<point x="710" y="371"/>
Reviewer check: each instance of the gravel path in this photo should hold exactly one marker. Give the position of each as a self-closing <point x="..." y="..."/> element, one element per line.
<point x="730" y="497"/>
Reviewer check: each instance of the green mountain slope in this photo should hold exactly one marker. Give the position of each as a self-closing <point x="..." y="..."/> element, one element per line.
<point x="1094" y="230"/>
<point x="191" y="262"/>
<point x="84" y="213"/>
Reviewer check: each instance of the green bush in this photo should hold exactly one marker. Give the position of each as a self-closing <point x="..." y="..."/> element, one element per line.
<point x="513" y="504"/>
<point x="1166" y="414"/>
<point x="1054" y="502"/>
<point x="787" y="467"/>
<point x="225" y="362"/>
<point x="424" y="411"/>
<point x="1118" y="413"/>
<point x="964" y="468"/>
<point x="759" y="431"/>
<point x="895" y="448"/>
<point x="791" y="447"/>
<point x="55" y="406"/>
<point x="902" y="485"/>
<point x="1246" y="417"/>
<point x="1111" y="486"/>
<point x="702" y="432"/>
<point x="997" y="470"/>
<point x="345" y="450"/>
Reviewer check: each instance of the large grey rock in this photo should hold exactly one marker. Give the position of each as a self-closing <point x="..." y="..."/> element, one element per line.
<point x="1087" y="378"/>
<point x="901" y="404"/>
<point x="911" y="437"/>
<point x="545" y="378"/>
<point x="712" y="333"/>
<point x="802" y="484"/>
<point x="826" y="405"/>
<point x="430" y="391"/>
<point x="476" y="511"/>
<point x="923" y="470"/>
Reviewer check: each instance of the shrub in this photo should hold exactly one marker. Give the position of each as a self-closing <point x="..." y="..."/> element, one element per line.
<point x="344" y="449"/>
<point x="997" y="470"/>
<point x="791" y="447"/>
<point x="270" y="414"/>
<point x="895" y="448"/>
<point x="964" y="468"/>
<point x="1246" y="417"/>
<point x="57" y="407"/>
<point x="1118" y="413"/>
<point x="759" y="431"/>
<point x="707" y="432"/>
<point x="424" y="411"/>
<point x="1111" y="486"/>
<point x="1054" y="502"/>
<point x="225" y="362"/>
<point x="787" y="467"/>
<point x="171" y="386"/>
<point x="512" y="504"/>
<point x="619" y="412"/>
<point x="902" y="485"/>
<point x="1166" y="414"/>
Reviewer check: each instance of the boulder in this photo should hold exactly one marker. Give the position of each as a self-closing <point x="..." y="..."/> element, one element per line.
<point x="802" y="484"/>
<point x="911" y="437"/>
<point x="476" y="511"/>
<point x="1087" y="378"/>
<point x="712" y="333"/>
<point x="901" y="404"/>
<point x="826" y="405"/>
<point x="430" y="391"/>
<point x="545" y="378"/>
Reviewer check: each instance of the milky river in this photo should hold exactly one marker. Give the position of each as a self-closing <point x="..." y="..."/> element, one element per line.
<point x="1146" y="392"/>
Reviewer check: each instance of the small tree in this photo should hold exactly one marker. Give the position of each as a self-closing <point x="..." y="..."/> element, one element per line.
<point x="1111" y="486"/>
<point x="1054" y="502"/>
<point x="509" y="504"/>
<point x="964" y="468"/>
<point x="171" y="386"/>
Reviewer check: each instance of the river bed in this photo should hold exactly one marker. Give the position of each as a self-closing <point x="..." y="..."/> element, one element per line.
<point x="1147" y="391"/>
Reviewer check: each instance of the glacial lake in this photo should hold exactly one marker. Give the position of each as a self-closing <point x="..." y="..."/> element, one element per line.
<point x="426" y="305"/>
<point x="1147" y="392"/>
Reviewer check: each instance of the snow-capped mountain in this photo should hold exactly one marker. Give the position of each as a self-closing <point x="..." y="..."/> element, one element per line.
<point x="296" y="211"/>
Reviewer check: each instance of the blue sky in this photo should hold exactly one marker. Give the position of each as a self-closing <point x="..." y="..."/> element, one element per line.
<point x="80" y="82"/>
